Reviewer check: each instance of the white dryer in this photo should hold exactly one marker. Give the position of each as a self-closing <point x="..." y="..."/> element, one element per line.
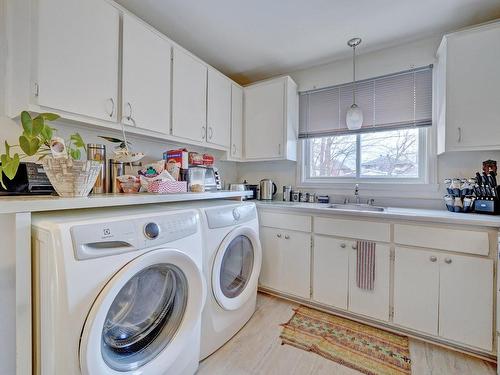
<point x="118" y="291"/>
<point x="231" y="265"/>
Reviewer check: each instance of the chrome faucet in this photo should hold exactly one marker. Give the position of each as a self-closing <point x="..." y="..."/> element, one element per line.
<point x="356" y="193"/>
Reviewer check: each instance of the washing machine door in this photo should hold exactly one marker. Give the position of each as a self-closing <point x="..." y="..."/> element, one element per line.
<point x="144" y="317"/>
<point x="236" y="268"/>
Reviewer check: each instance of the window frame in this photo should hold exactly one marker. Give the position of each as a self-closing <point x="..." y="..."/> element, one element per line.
<point x="424" y="152"/>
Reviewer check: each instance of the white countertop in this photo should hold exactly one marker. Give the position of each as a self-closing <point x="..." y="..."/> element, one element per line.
<point x="14" y="204"/>
<point x="392" y="213"/>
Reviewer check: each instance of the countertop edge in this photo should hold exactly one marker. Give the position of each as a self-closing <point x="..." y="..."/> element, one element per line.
<point x="392" y="213"/>
<point x="18" y="204"/>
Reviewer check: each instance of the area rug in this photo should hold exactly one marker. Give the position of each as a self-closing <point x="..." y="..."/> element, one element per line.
<point x="363" y="348"/>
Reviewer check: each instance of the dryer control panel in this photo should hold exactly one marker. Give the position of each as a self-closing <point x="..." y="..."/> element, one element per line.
<point x="219" y="217"/>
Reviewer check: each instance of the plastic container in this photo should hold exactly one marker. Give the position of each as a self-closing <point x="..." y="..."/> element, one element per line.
<point x="197" y="180"/>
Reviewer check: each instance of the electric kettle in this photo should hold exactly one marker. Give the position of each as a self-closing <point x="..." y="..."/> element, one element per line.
<point x="267" y="189"/>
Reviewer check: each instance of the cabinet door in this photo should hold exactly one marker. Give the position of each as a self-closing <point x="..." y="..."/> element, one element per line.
<point x="77" y="60"/>
<point x="236" y="122"/>
<point x="286" y="261"/>
<point x="466" y="300"/>
<point x="373" y="303"/>
<point x="472" y="91"/>
<point x="146" y="77"/>
<point x="416" y="290"/>
<point x="331" y="271"/>
<point x="219" y="109"/>
<point x="264" y="120"/>
<point x="189" y="97"/>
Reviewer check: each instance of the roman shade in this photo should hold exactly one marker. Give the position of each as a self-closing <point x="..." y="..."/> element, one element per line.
<point x="389" y="102"/>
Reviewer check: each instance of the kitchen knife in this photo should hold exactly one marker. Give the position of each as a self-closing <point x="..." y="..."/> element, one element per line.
<point x="493" y="179"/>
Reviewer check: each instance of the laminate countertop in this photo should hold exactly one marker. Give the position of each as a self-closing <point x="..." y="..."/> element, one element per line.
<point x="390" y="213"/>
<point x="17" y="204"/>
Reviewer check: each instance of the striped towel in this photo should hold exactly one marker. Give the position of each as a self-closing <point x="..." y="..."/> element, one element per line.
<point x="365" y="265"/>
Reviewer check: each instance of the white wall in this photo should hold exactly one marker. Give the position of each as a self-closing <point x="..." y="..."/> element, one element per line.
<point x="386" y="61"/>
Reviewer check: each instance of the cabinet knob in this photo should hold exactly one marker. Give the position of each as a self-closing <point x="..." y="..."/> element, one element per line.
<point x="354" y="246"/>
<point x="447" y="260"/>
<point x="343" y="245"/>
<point x="287" y="237"/>
<point x="433" y="258"/>
<point x="278" y="235"/>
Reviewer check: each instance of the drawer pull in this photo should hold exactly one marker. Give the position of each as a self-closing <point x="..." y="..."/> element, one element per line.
<point x="447" y="260"/>
<point x="433" y="258"/>
<point x="287" y="237"/>
<point x="278" y="235"/>
<point x="343" y="245"/>
<point x="354" y="246"/>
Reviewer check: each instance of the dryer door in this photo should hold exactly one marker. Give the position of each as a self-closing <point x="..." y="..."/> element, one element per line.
<point x="144" y="317"/>
<point x="236" y="268"/>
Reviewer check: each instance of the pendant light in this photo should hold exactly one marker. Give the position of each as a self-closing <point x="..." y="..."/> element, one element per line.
<point x="354" y="118"/>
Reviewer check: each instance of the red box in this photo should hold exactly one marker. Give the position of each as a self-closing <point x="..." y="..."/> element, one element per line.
<point x="180" y="156"/>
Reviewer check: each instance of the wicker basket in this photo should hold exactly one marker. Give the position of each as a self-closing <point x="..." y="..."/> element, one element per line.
<point x="72" y="178"/>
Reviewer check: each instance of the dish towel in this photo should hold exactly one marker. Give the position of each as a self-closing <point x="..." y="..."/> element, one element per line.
<point x="365" y="265"/>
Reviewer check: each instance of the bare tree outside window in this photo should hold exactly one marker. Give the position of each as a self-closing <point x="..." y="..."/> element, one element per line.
<point x="383" y="154"/>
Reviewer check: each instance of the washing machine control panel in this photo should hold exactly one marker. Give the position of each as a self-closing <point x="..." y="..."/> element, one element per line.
<point x="220" y="217"/>
<point x="151" y="230"/>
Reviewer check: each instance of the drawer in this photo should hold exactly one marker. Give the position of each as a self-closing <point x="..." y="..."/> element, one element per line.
<point x="459" y="240"/>
<point x="285" y="221"/>
<point x="363" y="230"/>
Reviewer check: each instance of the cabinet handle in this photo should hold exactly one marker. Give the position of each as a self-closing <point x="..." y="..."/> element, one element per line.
<point x="433" y="258"/>
<point x="287" y="237"/>
<point x="343" y="245"/>
<point x="112" y="107"/>
<point x="447" y="260"/>
<point x="279" y="148"/>
<point x="278" y="235"/>
<point x="354" y="246"/>
<point x="210" y="132"/>
<point x="129" y="117"/>
<point x="459" y="135"/>
<point x="234" y="149"/>
<point x="203" y="132"/>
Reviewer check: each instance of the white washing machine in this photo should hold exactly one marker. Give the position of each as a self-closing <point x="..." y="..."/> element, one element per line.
<point x="118" y="291"/>
<point x="231" y="265"/>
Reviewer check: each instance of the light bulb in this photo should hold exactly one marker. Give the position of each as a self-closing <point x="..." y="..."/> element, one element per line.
<point x="354" y="118"/>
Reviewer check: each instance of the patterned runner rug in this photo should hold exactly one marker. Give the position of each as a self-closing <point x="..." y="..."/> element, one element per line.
<point x="369" y="350"/>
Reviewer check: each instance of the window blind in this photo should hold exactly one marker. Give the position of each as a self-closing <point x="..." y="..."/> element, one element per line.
<point x="389" y="102"/>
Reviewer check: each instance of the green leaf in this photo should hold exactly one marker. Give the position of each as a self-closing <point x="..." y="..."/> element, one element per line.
<point x="1" y="178"/>
<point x="75" y="154"/>
<point x="27" y="122"/>
<point x="38" y="125"/>
<point x="7" y="149"/>
<point x="10" y="168"/>
<point x="77" y="140"/>
<point x="49" y="116"/>
<point x="29" y="146"/>
<point x="47" y="133"/>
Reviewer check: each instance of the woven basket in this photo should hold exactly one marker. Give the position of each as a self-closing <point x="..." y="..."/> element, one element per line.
<point x="72" y="178"/>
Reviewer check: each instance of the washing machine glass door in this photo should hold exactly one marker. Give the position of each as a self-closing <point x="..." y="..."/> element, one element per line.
<point x="236" y="268"/>
<point x="142" y="315"/>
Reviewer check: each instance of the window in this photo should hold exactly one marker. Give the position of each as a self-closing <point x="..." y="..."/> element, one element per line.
<point x="390" y="146"/>
<point x="392" y="154"/>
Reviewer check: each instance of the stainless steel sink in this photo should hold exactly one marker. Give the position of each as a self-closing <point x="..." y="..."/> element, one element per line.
<point x="356" y="207"/>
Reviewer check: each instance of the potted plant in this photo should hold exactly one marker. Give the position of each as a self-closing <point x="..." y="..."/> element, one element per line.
<point x="69" y="175"/>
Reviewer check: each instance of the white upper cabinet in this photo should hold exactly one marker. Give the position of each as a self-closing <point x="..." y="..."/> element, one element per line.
<point x="76" y="67"/>
<point x="146" y="77"/>
<point x="271" y="120"/>
<point x="219" y="109"/>
<point x="189" y="97"/>
<point x="236" y="152"/>
<point x="467" y="98"/>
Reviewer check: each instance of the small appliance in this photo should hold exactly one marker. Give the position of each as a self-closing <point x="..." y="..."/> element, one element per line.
<point x="30" y="179"/>
<point x="212" y="177"/>
<point x="267" y="189"/>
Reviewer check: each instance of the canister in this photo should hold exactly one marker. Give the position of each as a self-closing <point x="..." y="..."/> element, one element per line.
<point x="97" y="152"/>
<point x="287" y="193"/>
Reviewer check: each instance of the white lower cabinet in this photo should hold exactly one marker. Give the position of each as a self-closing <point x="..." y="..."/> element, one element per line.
<point x="373" y="303"/>
<point x="446" y="295"/>
<point x="334" y="278"/>
<point x="330" y="271"/>
<point x="286" y="257"/>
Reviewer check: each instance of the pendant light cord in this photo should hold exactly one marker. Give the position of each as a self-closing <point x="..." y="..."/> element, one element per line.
<point x="354" y="75"/>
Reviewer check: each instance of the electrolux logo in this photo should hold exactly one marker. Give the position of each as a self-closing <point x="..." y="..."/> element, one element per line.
<point x="106" y="232"/>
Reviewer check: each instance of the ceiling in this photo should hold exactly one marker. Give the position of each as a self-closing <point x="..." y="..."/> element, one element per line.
<point x="251" y="40"/>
